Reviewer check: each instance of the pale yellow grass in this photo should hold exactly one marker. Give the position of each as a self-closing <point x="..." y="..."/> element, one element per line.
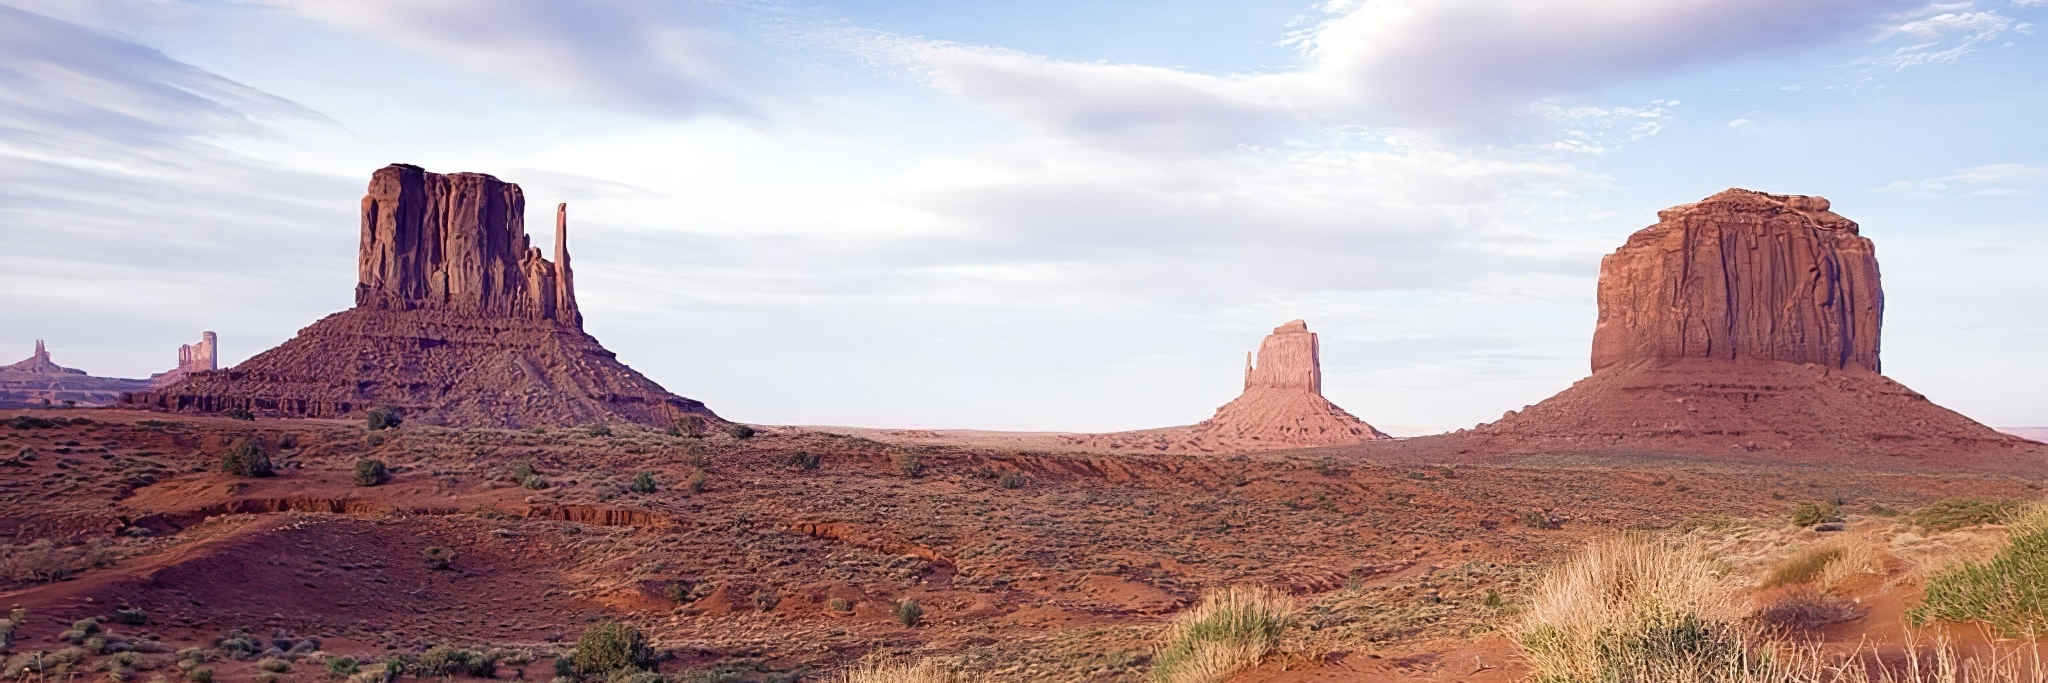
<point x="1230" y="631"/>
<point x="924" y="671"/>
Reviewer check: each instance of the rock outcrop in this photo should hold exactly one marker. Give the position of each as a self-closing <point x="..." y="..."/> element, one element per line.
<point x="1742" y="275"/>
<point x="1282" y="407"/>
<point x="39" y="381"/>
<point x="459" y="320"/>
<point x="203" y="356"/>
<point x="1747" y="322"/>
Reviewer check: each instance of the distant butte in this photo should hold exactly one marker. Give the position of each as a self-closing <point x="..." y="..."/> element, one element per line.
<point x="459" y="320"/>
<point x="39" y="381"/>
<point x="1746" y="322"/>
<point x="1282" y="407"/>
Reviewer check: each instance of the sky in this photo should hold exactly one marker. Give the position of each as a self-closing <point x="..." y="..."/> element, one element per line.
<point x="1055" y="215"/>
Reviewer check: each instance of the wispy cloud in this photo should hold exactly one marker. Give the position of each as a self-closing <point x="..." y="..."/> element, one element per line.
<point x="1942" y="33"/>
<point x="1989" y="179"/>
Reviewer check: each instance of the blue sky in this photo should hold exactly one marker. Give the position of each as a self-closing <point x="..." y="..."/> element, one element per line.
<point x="1054" y="215"/>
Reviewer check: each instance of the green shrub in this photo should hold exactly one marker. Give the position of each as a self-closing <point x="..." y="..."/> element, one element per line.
<point x="342" y="667"/>
<point x="740" y="431"/>
<point x="274" y="664"/>
<point x="909" y="463"/>
<point x="642" y="483"/>
<point x="1956" y="513"/>
<point x="1810" y="513"/>
<point x="803" y="459"/>
<point x="2009" y="592"/>
<point x="131" y="616"/>
<point x="839" y="605"/>
<point x="374" y="440"/>
<point x="909" y="613"/>
<point x="697" y="480"/>
<point x="199" y="674"/>
<point x="1012" y="480"/>
<point x="521" y="470"/>
<point x="382" y="418"/>
<point x="1227" y="633"/>
<point x="438" y="558"/>
<point x="238" y="414"/>
<point x="14" y="619"/>
<point x="599" y="430"/>
<point x="371" y="472"/>
<point x="245" y="458"/>
<point x="609" y="646"/>
<point x="536" y="482"/>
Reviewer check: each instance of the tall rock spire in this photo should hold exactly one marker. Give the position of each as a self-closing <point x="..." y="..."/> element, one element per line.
<point x="565" y="279"/>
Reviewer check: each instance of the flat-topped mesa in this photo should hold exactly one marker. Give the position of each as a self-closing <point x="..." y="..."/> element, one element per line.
<point x="458" y="243"/>
<point x="1742" y="275"/>
<point x="1288" y="359"/>
<point x="203" y="356"/>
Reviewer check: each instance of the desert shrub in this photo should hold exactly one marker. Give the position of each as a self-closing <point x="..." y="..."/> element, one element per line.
<point x="898" y="672"/>
<point x="380" y="419"/>
<point x="30" y="422"/>
<point x="386" y="672"/>
<point x="438" y="558"/>
<point x="696" y="482"/>
<point x="1013" y="480"/>
<point x="642" y="483"/>
<point x="245" y="458"/>
<point x="1804" y="609"/>
<point x="1957" y="513"/>
<point x="371" y="472"/>
<point x="1804" y="567"/>
<point x="274" y="664"/>
<point x="536" y="482"/>
<point x="80" y="631"/>
<point x="1810" y="513"/>
<point x="839" y="605"/>
<point x="131" y="616"/>
<point x="609" y="646"/>
<point x="598" y="430"/>
<point x="908" y="463"/>
<point x="342" y="667"/>
<point x="239" y="644"/>
<point x="2009" y="592"/>
<point x="374" y="440"/>
<point x="1227" y="633"/>
<point x="14" y="619"/>
<point x="45" y="561"/>
<point x="521" y="469"/>
<point x="909" y="613"/>
<point x="740" y="431"/>
<point x="1637" y="609"/>
<point x="199" y="674"/>
<point x="803" y="460"/>
<point x="693" y="426"/>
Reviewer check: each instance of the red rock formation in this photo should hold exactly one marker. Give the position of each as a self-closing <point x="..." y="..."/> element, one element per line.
<point x="458" y="321"/>
<point x="1745" y="322"/>
<point x="1282" y="407"/>
<point x="39" y="381"/>
<point x="201" y="357"/>
<point x="1744" y="275"/>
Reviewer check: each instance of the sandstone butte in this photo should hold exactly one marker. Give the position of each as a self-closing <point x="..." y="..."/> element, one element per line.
<point x="1746" y="321"/>
<point x="203" y="356"/>
<point x="38" y="381"/>
<point x="458" y="320"/>
<point x="1282" y="407"/>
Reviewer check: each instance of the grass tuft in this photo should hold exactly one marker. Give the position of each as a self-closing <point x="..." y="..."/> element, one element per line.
<point x="2009" y="592"/>
<point x="1227" y="633"/>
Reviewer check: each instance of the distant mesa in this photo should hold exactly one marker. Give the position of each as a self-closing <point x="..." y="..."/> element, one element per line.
<point x="1744" y="322"/>
<point x="39" y="381"/>
<point x="203" y="356"/>
<point x="458" y="320"/>
<point x="1282" y="407"/>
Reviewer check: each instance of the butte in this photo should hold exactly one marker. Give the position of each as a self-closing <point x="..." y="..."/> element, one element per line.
<point x="1282" y="407"/>
<point x="1746" y="322"/>
<point x="458" y="321"/>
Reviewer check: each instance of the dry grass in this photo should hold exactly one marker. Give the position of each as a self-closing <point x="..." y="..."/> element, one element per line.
<point x="2009" y="592"/>
<point x="925" y="671"/>
<point x="1829" y="565"/>
<point x="1633" y="603"/>
<point x="1227" y="633"/>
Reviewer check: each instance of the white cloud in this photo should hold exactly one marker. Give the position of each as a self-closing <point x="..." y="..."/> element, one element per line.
<point x="1942" y="34"/>
<point x="1989" y="179"/>
<point x="637" y="54"/>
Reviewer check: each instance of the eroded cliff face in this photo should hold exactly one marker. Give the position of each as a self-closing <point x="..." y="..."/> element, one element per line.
<point x="459" y="320"/>
<point x="1742" y="275"/>
<point x="458" y="243"/>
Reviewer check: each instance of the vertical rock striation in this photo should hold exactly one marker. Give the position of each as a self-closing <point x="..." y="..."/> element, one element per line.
<point x="203" y="356"/>
<point x="1743" y="323"/>
<point x="458" y="320"/>
<point x="1742" y="275"/>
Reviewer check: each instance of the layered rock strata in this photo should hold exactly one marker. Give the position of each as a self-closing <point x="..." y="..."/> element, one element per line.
<point x="459" y="320"/>
<point x="203" y="356"/>
<point x="1282" y="407"/>
<point x="1745" y="322"/>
